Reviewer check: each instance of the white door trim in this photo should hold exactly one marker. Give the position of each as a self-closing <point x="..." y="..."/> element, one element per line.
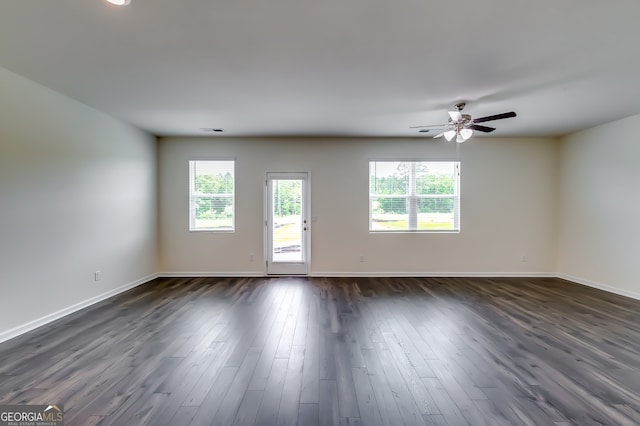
<point x="287" y="268"/>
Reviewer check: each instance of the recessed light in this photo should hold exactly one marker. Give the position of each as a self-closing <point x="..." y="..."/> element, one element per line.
<point x="119" y="2"/>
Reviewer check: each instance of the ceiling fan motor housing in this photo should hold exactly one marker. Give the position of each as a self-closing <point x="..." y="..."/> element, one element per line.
<point x="462" y="125"/>
<point x="464" y="120"/>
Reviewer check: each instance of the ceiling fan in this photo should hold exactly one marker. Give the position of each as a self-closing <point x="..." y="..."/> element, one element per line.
<point x="461" y="126"/>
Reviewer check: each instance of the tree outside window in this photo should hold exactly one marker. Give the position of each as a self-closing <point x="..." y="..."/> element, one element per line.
<point x="414" y="196"/>
<point x="211" y="195"/>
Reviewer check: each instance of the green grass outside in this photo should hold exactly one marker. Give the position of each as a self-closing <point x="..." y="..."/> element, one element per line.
<point x="401" y="225"/>
<point x="218" y="224"/>
<point x="287" y="233"/>
<point x="290" y="232"/>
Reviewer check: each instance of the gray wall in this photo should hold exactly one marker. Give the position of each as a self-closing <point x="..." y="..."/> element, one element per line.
<point x="508" y="207"/>
<point x="78" y="194"/>
<point x="599" y="207"/>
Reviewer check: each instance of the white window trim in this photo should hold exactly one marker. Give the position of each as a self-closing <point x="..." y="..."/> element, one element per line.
<point x="194" y="196"/>
<point x="412" y="198"/>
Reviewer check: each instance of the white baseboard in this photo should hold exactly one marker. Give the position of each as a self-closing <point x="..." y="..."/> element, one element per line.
<point x="209" y="274"/>
<point x="600" y="286"/>
<point x="24" y="328"/>
<point x="435" y="274"/>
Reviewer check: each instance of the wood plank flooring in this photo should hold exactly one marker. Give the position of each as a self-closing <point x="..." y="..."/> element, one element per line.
<point x="337" y="351"/>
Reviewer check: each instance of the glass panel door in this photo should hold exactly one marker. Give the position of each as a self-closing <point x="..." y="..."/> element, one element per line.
<point x="287" y="223"/>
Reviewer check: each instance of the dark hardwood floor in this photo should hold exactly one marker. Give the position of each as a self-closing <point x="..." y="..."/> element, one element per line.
<point x="343" y="351"/>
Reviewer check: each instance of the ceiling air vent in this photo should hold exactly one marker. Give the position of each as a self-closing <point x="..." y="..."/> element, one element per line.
<point x="211" y="130"/>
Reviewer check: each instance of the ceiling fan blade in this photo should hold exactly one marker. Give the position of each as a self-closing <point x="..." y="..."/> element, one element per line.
<point x="439" y="135"/>
<point x="482" y="128"/>
<point x="455" y="116"/>
<point x="427" y="125"/>
<point x="494" y="117"/>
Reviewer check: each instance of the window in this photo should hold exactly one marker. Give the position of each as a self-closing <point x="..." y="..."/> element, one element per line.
<point x="414" y="196"/>
<point x="211" y="195"/>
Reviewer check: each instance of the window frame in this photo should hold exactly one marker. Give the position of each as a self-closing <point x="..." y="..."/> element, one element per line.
<point x="193" y="196"/>
<point x="413" y="198"/>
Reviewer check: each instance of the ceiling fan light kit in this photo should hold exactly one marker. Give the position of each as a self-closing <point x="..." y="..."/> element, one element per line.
<point x="461" y="126"/>
<point x="465" y="134"/>
<point x="119" y="2"/>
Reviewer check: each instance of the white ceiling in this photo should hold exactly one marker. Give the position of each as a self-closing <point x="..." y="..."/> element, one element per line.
<point x="332" y="67"/>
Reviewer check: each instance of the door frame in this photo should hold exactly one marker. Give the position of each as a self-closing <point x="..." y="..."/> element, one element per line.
<point x="280" y="268"/>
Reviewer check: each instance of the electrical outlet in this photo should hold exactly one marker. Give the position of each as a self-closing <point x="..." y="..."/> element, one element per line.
<point x="524" y="258"/>
<point x="361" y="258"/>
<point x="252" y="257"/>
<point x="96" y="276"/>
